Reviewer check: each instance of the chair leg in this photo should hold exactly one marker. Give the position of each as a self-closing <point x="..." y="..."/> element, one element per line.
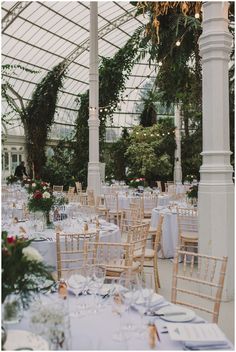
<point x="156" y="274"/>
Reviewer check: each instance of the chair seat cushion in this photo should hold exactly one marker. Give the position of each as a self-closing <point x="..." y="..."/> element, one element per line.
<point x="149" y="253"/>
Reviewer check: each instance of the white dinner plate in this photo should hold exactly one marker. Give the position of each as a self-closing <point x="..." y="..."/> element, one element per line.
<point x="21" y="339"/>
<point x="184" y="315"/>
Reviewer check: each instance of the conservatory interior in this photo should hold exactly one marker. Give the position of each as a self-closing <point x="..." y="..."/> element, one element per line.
<point x="117" y="175"/>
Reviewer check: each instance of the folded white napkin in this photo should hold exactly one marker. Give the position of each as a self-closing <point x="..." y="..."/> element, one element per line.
<point x="208" y="346"/>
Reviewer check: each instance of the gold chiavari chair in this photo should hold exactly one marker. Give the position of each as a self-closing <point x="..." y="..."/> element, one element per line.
<point x="100" y="207"/>
<point x="135" y="235"/>
<point x="118" y="257"/>
<point x="111" y="203"/>
<point x="71" y="190"/>
<point x="129" y="217"/>
<point x="78" y="186"/>
<point x="91" y="197"/>
<point x="74" y="250"/>
<point x="187" y="227"/>
<point x="149" y="202"/>
<point x="201" y="282"/>
<point x="150" y="255"/>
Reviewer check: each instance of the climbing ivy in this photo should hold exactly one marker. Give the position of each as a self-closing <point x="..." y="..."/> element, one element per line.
<point x="38" y="117"/>
<point x="113" y="73"/>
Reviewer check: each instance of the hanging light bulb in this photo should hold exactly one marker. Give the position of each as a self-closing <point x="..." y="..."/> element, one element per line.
<point x="160" y="63"/>
<point x="178" y="43"/>
<point x="197" y="15"/>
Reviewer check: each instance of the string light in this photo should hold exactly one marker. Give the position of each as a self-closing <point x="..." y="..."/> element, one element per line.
<point x="160" y="63"/>
<point x="177" y="43"/>
<point x="197" y="15"/>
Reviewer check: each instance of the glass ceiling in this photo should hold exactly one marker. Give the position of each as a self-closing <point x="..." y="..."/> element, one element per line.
<point x="42" y="34"/>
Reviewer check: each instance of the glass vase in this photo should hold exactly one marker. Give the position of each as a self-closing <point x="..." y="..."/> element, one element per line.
<point x="12" y="309"/>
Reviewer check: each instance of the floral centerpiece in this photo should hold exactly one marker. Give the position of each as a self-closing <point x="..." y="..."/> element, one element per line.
<point x="41" y="198"/>
<point x="135" y="182"/>
<point x="23" y="271"/>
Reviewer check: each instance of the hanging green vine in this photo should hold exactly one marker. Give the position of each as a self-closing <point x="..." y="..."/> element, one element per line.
<point x="113" y="73"/>
<point x="39" y="116"/>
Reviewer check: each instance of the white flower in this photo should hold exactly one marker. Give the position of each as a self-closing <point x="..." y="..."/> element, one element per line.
<point x="46" y="195"/>
<point x="44" y="187"/>
<point x="32" y="254"/>
<point x="33" y="184"/>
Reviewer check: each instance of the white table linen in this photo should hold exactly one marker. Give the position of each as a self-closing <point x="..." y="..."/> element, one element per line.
<point x="45" y="241"/>
<point x="95" y="331"/>
<point x="169" y="230"/>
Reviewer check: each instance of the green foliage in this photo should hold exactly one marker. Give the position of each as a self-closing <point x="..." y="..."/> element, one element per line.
<point x="116" y="159"/>
<point x="11" y="179"/>
<point x="22" y="274"/>
<point x="151" y="151"/>
<point x="113" y="73"/>
<point x="39" y="116"/>
<point x="193" y="192"/>
<point x="58" y="169"/>
<point x="148" y="116"/>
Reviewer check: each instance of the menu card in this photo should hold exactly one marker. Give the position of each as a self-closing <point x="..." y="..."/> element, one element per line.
<point x="195" y="332"/>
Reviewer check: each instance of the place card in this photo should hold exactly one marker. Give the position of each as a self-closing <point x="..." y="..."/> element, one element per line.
<point x="195" y="332"/>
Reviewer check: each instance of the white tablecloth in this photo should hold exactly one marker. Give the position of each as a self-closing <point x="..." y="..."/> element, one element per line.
<point x="95" y="331"/>
<point x="169" y="230"/>
<point x="45" y="241"/>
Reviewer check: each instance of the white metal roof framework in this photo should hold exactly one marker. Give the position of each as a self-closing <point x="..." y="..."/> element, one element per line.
<point x="39" y="35"/>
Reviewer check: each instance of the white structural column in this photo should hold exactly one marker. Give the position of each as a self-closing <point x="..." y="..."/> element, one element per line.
<point x="93" y="122"/>
<point x="178" y="167"/>
<point x="216" y="190"/>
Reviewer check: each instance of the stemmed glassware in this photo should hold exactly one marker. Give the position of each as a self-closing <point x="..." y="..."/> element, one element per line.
<point x="98" y="277"/>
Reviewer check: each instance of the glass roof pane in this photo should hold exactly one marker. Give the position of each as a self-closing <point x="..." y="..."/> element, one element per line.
<point x="47" y="32"/>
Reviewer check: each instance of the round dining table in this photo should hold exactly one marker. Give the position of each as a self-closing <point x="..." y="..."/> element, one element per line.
<point x="44" y="240"/>
<point x="95" y="329"/>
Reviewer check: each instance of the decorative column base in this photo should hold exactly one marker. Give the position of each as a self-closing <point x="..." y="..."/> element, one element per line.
<point x="216" y="213"/>
<point x="94" y="182"/>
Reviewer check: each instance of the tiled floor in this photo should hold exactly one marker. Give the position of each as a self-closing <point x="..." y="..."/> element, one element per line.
<point x="226" y="317"/>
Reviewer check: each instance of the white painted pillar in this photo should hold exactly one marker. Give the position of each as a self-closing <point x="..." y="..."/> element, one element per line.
<point x="93" y="122"/>
<point x="178" y="167"/>
<point x="216" y="190"/>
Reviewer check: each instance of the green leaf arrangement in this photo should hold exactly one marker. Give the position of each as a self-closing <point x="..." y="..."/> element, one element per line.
<point x="23" y="270"/>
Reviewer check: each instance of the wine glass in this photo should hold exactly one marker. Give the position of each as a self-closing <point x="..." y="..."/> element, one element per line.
<point x="98" y="277"/>
<point x="130" y="283"/>
<point x="118" y="308"/>
<point x="77" y="281"/>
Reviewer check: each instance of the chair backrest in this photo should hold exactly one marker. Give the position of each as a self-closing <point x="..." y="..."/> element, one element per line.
<point x="199" y="279"/>
<point x="111" y="201"/>
<point x="74" y="251"/>
<point x="130" y="217"/>
<point x="91" y="197"/>
<point x="117" y="257"/>
<point x="150" y="201"/>
<point x="187" y="220"/>
<point x="83" y="198"/>
<point x="136" y="235"/>
<point x="71" y="190"/>
<point x="158" y="237"/>
<point x="57" y="188"/>
<point x="138" y="204"/>
<point x="78" y="186"/>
